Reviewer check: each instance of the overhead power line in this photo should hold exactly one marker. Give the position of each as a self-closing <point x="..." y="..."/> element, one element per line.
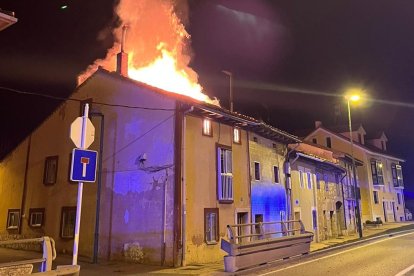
<point x="16" y="91"/>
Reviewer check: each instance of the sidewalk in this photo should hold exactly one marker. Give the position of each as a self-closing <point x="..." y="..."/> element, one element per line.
<point x="122" y="269"/>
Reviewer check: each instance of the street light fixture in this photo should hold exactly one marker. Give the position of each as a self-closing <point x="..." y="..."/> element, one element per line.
<point x="353" y="95"/>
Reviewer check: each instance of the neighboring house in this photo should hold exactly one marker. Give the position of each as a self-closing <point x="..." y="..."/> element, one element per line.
<point x="317" y="197"/>
<point x="268" y="179"/>
<point x="380" y="177"/>
<point x="175" y="172"/>
<point x="7" y="19"/>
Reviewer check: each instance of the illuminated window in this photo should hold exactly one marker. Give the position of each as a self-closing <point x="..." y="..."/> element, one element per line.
<point x="376" y="201"/>
<point x="67" y="223"/>
<point x="256" y="171"/>
<point x="50" y="171"/>
<point x="207" y="130"/>
<point x="211" y="225"/>
<point x="236" y="136"/>
<point x="314" y="219"/>
<point x="225" y="174"/>
<point x="276" y="174"/>
<point x="377" y="175"/>
<point x="36" y="217"/>
<point x="13" y="219"/>
<point x="397" y="178"/>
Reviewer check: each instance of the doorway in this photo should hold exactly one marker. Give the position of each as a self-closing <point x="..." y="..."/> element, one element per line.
<point x="242" y="218"/>
<point x="385" y="211"/>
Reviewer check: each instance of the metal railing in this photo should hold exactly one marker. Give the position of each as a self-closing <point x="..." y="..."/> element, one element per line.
<point x="239" y="233"/>
<point x="49" y="253"/>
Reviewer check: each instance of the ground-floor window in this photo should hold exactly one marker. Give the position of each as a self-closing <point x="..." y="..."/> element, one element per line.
<point x="13" y="219"/>
<point x="211" y="225"/>
<point x="36" y="217"/>
<point x="67" y="223"/>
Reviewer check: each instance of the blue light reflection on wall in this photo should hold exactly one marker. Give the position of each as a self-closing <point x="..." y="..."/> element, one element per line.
<point x="269" y="200"/>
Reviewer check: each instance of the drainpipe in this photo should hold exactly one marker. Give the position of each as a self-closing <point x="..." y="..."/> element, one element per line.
<point x="98" y="192"/>
<point x="183" y="183"/>
<point x="288" y="183"/>
<point x="24" y="193"/>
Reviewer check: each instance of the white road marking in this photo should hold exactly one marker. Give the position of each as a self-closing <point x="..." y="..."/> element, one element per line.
<point x="339" y="253"/>
<point x="402" y="272"/>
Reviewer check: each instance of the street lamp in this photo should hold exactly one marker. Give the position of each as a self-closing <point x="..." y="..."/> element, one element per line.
<point x="353" y="95"/>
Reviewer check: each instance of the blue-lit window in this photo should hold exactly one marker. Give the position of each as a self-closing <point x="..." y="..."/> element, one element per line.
<point x="225" y="174"/>
<point x="309" y="176"/>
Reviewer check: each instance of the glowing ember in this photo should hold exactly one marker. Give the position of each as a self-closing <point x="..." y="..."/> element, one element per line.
<point x="163" y="73"/>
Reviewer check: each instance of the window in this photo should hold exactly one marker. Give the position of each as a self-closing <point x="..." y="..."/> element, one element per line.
<point x="360" y="138"/>
<point x="276" y="173"/>
<point x="314" y="140"/>
<point x="328" y="142"/>
<point x="309" y="175"/>
<point x="397" y="178"/>
<point x="377" y="176"/>
<point x="318" y="180"/>
<point x="13" y="219"/>
<point x="207" y="129"/>
<point x="67" y="222"/>
<point x="256" y="171"/>
<point x="225" y="174"/>
<point x="236" y="136"/>
<point x="399" y="198"/>
<point x="383" y="145"/>
<point x="376" y="201"/>
<point x="36" y="217"/>
<point x="211" y="227"/>
<point x="314" y="219"/>
<point x="50" y="172"/>
<point x="301" y="180"/>
<point x="326" y="179"/>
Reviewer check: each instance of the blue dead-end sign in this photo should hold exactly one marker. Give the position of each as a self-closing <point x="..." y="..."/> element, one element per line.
<point x="83" y="167"/>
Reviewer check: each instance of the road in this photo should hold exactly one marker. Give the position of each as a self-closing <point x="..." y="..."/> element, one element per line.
<point x="388" y="256"/>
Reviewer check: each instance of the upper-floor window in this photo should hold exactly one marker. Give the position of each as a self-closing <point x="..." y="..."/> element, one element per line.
<point x="397" y="178"/>
<point x="50" y="171"/>
<point x="314" y="219"/>
<point x="236" y="136"/>
<point x="382" y="145"/>
<point x="399" y="198"/>
<point x="328" y="142"/>
<point x="309" y="176"/>
<point x="256" y="171"/>
<point x="314" y="140"/>
<point x="225" y="174"/>
<point x="301" y="179"/>
<point x="207" y="129"/>
<point x="376" y="200"/>
<point x="318" y="180"/>
<point x="276" y="173"/>
<point x="360" y="138"/>
<point x="326" y="180"/>
<point x="377" y="174"/>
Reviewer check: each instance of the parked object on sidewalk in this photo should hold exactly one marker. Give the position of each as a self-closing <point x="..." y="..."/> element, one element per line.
<point x="376" y="223"/>
<point x="49" y="254"/>
<point x="408" y="214"/>
<point x="253" y="244"/>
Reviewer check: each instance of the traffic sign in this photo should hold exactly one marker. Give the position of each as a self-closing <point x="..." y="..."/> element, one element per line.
<point x="83" y="168"/>
<point x="76" y="131"/>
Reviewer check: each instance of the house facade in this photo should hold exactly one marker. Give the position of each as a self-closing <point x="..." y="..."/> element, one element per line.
<point x="379" y="178"/>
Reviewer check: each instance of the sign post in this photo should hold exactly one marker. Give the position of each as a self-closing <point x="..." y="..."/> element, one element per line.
<point x="85" y="160"/>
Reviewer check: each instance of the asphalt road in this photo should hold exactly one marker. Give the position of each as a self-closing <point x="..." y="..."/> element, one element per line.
<point x="388" y="256"/>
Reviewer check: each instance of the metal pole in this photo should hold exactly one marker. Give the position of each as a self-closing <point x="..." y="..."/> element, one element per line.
<point x="357" y="211"/>
<point x="80" y="191"/>
<point x="98" y="192"/>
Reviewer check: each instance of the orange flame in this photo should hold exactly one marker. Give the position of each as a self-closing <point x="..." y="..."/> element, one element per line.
<point x="163" y="73"/>
<point x="157" y="46"/>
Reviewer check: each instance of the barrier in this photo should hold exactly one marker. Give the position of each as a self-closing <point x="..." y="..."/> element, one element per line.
<point x="26" y="266"/>
<point x="263" y="242"/>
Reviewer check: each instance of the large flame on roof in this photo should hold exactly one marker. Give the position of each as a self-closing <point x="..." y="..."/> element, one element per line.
<point x="158" y="47"/>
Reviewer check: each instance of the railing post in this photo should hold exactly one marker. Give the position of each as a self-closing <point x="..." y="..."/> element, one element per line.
<point x="261" y="230"/>
<point x="47" y="255"/>
<point x="284" y="229"/>
<point x="302" y="227"/>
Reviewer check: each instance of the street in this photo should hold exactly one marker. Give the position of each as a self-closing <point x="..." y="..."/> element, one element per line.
<point x="388" y="256"/>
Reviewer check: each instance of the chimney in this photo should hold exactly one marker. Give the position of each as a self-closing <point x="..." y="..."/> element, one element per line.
<point x="318" y="124"/>
<point x="122" y="57"/>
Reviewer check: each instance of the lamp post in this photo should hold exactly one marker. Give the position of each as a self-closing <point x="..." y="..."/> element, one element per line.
<point x="230" y="74"/>
<point x="354" y="98"/>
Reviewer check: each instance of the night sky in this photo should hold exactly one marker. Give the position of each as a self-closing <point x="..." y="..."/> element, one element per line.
<point x="291" y="61"/>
